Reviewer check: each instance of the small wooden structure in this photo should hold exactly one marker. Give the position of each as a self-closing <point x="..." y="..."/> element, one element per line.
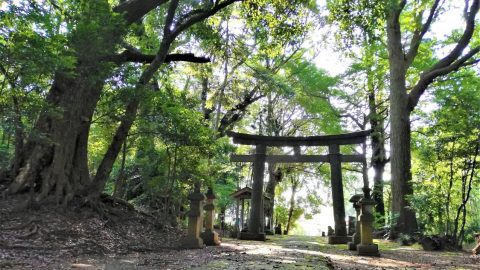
<point x="335" y="158"/>
<point x="240" y="196"/>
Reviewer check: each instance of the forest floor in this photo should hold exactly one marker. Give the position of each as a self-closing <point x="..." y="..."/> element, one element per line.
<point x="50" y="239"/>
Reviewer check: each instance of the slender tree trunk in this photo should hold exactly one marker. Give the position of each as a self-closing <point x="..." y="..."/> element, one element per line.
<point x="379" y="159"/>
<point x="118" y="190"/>
<point x="275" y="176"/>
<point x="466" y="191"/>
<point x="292" y="204"/>
<point x="9" y="136"/>
<point x="449" y="192"/>
<point x="19" y="134"/>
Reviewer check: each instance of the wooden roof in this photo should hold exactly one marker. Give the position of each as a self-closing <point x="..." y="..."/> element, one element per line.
<point x="245" y="193"/>
<point x="340" y="139"/>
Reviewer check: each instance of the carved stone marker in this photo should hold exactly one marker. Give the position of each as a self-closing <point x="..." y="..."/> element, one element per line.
<point x="351" y="225"/>
<point x="476" y="249"/>
<point x="210" y="236"/>
<point x="356" y="236"/>
<point x="330" y="231"/>
<point x="193" y="240"/>
<point x="366" y="246"/>
<point x="278" y="229"/>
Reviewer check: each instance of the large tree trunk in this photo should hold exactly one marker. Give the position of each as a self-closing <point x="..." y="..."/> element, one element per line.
<point x="401" y="175"/>
<point x="55" y="156"/>
<point x="400" y="157"/>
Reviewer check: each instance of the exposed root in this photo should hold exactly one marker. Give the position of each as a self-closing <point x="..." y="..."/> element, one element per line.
<point x="32" y="230"/>
<point x="20" y="226"/>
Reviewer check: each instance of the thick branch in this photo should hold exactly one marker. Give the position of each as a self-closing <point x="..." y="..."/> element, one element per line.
<point x="235" y="114"/>
<point x="450" y="62"/>
<point x="428" y="77"/>
<point x="463" y="41"/>
<point x="131" y="56"/>
<point x="419" y="33"/>
<point x="198" y="16"/>
<point x="133" y="10"/>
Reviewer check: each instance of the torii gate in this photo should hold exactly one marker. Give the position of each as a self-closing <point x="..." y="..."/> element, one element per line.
<point x="334" y="157"/>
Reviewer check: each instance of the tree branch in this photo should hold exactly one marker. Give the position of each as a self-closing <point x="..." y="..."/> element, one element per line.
<point x="450" y="62"/>
<point x="419" y="33"/>
<point x="429" y="76"/>
<point x="134" y="10"/>
<point x="137" y="57"/>
<point x="200" y="15"/>
<point x="235" y="114"/>
<point x="463" y="41"/>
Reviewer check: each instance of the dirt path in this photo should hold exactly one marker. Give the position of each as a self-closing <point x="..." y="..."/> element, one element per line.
<point x="291" y="252"/>
<point x="53" y="239"/>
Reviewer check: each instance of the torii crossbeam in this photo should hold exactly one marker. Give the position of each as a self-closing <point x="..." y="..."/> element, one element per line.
<point x="334" y="157"/>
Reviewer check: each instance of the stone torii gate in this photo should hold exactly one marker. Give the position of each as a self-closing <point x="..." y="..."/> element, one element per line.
<point x="334" y="157"/>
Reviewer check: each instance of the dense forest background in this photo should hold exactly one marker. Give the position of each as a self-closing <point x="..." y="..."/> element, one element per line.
<point x="133" y="99"/>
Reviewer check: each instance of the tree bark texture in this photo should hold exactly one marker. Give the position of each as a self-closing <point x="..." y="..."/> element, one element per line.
<point x="55" y="155"/>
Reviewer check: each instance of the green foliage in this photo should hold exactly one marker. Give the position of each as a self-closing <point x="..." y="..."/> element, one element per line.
<point x="444" y="155"/>
<point x="282" y="21"/>
<point x="313" y="88"/>
<point x="358" y="19"/>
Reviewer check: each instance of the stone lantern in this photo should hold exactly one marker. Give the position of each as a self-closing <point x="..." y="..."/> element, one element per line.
<point x="193" y="240"/>
<point x="356" y="236"/>
<point x="366" y="246"/>
<point x="209" y="236"/>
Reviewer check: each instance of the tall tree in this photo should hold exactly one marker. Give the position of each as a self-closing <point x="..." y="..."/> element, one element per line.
<point x="411" y="72"/>
<point x="403" y="102"/>
<point x="54" y="159"/>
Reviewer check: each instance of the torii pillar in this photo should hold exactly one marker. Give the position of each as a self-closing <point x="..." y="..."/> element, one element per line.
<point x="256" y="221"/>
<point x="340" y="235"/>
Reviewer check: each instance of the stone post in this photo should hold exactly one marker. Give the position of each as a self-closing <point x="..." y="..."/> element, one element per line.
<point x="237" y="217"/>
<point x="210" y="236"/>
<point x="255" y="223"/>
<point x="193" y="240"/>
<point x="366" y="246"/>
<point x="351" y="225"/>
<point x="356" y="236"/>
<point x="242" y="216"/>
<point x="340" y="236"/>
